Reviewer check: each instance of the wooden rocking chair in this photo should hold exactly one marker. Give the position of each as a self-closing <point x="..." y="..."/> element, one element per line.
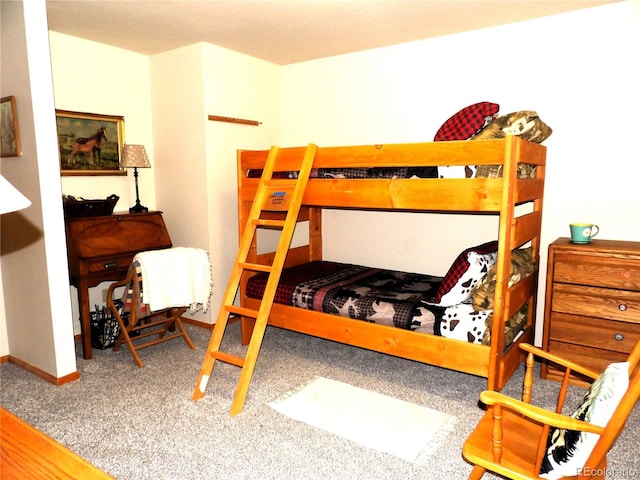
<point x="164" y="324"/>
<point x="511" y="438"/>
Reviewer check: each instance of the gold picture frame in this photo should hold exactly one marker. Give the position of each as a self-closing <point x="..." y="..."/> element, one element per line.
<point x="10" y="141"/>
<point x="90" y="143"/>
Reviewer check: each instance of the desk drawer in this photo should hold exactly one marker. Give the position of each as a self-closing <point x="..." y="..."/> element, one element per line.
<point x="596" y="302"/>
<point x="597" y="270"/>
<point x="594" y="332"/>
<point x="107" y="264"/>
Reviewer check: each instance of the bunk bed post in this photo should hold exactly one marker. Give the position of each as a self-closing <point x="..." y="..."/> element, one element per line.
<point x="244" y="208"/>
<point x="503" y="267"/>
<point x="315" y="233"/>
<point x="536" y="243"/>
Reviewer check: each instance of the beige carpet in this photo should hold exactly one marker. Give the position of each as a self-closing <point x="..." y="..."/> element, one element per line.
<point x="406" y="430"/>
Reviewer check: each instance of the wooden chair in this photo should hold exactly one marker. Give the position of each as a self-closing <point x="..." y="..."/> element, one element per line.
<point x="142" y="323"/>
<point x="511" y="438"/>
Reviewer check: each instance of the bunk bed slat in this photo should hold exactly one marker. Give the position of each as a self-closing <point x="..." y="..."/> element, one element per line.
<point x="526" y="227"/>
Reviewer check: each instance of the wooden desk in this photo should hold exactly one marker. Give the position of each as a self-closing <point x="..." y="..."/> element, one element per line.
<point x="28" y="453"/>
<point x="102" y="248"/>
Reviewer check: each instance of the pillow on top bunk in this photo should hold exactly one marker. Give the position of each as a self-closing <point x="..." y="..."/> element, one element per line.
<point x="461" y="126"/>
<point x="525" y="124"/>
<point x="568" y="450"/>
<point x="467" y="122"/>
<point x="465" y="274"/>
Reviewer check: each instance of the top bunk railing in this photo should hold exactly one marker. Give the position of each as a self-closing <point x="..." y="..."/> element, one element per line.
<point x="422" y="194"/>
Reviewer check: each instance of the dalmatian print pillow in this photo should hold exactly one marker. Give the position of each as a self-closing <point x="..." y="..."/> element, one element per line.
<point x="463" y="322"/>
<point x="465" y="274"/>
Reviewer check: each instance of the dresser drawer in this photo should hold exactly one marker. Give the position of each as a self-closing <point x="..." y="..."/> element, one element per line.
<point x="594" y="332"/>
<point x="591" y="358"/>
<point x="596" y="302"/>
<point x="597" y="270"/>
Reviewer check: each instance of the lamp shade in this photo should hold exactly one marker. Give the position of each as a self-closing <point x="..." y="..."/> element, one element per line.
<point x="135" y="156"/>
<point x="10" y="198"/>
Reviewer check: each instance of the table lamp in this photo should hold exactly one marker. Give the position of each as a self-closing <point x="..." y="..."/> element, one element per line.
<point x="135" y="156"/>
<point x="11" y="199"/>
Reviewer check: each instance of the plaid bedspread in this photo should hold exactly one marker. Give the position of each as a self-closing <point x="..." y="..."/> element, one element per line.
<point x="374" y="295"/>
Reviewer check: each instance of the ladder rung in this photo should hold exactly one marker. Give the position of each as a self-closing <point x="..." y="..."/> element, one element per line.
<point x="268" y="222"/>
<point x="228" y="358"/>
<point x="255" y="266"/>
<point x="245" y="312"/>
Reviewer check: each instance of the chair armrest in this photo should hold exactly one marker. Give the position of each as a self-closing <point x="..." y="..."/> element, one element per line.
<point x="538" y="352"/>
<point x="538" y="414"/>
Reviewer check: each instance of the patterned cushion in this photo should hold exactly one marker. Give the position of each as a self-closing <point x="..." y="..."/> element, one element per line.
<point x="512" y="327"/>
<point x="457" y="171"/>
<point x="568" y="450"/>
<point x="463" y="322"/>
<point x="521" y="266"/>
<point x="525" y="124"/>
<point x="495" y="171"/>
<point x="464" y="275"/>
<point x="467" y="122"/>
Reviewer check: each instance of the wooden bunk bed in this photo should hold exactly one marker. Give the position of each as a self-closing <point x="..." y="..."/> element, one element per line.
<point x="500" y="196"/>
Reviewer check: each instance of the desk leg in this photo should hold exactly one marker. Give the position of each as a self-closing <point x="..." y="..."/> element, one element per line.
<point x="85" y="319"/>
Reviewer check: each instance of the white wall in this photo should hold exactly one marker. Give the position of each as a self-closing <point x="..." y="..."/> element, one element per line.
<point x="196" y="175"/>
<point x="36" y="314"/>
<point x="111" y="82"/>
<point x="578" y="70"/>
<point x="236" y="86"/>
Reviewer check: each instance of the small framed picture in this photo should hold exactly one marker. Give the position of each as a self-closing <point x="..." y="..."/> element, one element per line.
<point x="10" y="145"/>
<point x="89" y="143"/>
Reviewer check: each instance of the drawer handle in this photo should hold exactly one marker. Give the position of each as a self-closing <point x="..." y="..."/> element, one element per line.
<point x="622" y="307"/>
<point x="619" y="337"/>
<point x="110" y="265"/>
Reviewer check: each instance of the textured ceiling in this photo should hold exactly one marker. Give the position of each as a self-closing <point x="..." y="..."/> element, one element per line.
<point x="286" y="32"/>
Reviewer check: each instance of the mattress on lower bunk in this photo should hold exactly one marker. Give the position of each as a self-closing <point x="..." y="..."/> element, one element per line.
<point x="386" y="297"/>
<point x="374" y="295"/>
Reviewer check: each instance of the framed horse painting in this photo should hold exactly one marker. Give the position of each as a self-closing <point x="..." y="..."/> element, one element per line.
<point x="10" y="138"/>
<point x="89" y="144"/>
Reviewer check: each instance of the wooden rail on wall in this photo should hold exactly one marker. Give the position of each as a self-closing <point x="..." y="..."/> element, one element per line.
<point x="219" y="118"/>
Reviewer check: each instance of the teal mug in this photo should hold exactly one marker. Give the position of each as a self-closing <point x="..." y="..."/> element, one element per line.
<point x="583" y="232"/>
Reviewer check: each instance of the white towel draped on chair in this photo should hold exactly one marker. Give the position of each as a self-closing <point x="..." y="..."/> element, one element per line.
<point x="176" y="277"/>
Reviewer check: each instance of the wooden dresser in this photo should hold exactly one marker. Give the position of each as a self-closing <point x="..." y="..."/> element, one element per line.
<point x="592" y="306"/>
<point x="102" y="248"/>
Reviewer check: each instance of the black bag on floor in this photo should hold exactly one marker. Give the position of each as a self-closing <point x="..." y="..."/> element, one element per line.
<point x="104" y="326"/>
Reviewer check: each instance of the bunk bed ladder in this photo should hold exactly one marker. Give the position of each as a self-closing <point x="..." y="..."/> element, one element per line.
<point x="281" y="195"/>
